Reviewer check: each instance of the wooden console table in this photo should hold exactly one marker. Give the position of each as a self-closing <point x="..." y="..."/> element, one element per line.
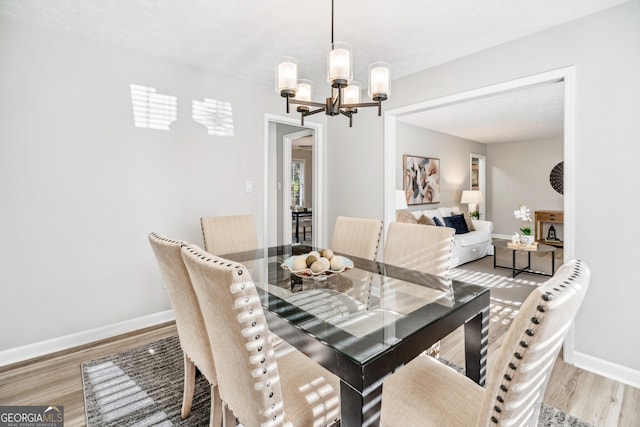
<point x="540" y="217"/>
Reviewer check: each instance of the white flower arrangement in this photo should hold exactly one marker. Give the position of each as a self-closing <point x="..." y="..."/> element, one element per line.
<point x="524" y="213"/>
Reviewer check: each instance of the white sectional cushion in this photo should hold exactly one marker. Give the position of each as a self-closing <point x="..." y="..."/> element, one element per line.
<point x="471" y="238"/>
<point x="444" y="212"/>
<point x="466" y="247"/>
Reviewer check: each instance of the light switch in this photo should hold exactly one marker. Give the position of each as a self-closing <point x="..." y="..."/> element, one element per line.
<point x="248" y="187"/>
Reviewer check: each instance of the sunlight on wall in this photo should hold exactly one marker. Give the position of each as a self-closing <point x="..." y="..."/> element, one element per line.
<point x="152" y="110"/>
<point x="216" y="116"/>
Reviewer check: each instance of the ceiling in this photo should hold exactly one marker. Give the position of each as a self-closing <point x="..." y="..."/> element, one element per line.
<point x="527" y="114"/>
<point x="245" y="38"/>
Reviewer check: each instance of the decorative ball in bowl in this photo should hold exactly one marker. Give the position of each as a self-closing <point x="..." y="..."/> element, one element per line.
<point x="316" y="264"/>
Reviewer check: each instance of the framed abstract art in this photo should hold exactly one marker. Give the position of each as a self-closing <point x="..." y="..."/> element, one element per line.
<point x="421" y="179"/>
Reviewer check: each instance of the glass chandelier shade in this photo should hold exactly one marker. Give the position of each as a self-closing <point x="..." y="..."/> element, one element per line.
<point x="304" y="93"/>
<point x="339" y="69"/>
<point x="287" y="76"/>
<point x="379" y="81"/>
<point x="352" y="93"/>
<point x="305" y="90"/>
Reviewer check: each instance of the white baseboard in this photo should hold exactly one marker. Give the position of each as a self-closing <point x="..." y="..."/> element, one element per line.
<point x="596" y="365"/>
<point x="607" y="369"/>
<point x="26" y="352"/>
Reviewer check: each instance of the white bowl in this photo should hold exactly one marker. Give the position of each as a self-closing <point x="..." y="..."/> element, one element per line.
<point x="306" y="272"/>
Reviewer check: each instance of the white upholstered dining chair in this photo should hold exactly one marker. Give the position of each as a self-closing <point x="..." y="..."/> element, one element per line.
<point x="424" y="248"/>
<point x="257" y="388"/>
<point x="358" y="237"/>
<point x="428" y="393"/>
<point x="224" y="235"/>
<point x="191" y="327"/>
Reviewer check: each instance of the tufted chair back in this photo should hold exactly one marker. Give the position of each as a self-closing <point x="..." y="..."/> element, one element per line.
<point x="419" y="247"/>
<point x="358" y="237"/>
<point x="424" y="248"/>
<point x="249" y="380"/>
<point x="225" y="235"/>
<point x="191" y="327"/>
<point x="522" y="368"/>
<point x="425" y="392"/>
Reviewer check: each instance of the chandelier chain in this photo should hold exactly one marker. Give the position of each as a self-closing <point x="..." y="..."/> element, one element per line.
<point x="332" y="24"/>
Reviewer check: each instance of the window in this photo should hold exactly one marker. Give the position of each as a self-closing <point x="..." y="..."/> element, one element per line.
<point x="297" y="182"/>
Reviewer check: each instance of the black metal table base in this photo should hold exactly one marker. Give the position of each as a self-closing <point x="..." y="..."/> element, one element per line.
<point x="515" y="271"/>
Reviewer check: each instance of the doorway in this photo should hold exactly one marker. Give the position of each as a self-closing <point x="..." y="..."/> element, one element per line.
<point x="297" y="187"/>
<point x="566" y="75"/>
<point x="478" y="180"/>
<point x="280" y="135"/>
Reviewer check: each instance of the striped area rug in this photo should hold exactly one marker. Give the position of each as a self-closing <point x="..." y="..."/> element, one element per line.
<point x="143" y="387"/>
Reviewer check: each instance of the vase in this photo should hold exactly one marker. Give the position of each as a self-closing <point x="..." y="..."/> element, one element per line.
<point x="527" y="240"/>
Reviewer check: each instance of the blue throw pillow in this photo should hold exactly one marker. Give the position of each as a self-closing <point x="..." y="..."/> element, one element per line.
<point x="457" y="222"/>
<point x="437" y="221"/>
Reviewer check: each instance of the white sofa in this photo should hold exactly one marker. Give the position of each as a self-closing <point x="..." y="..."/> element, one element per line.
<point x="469" y="246"/>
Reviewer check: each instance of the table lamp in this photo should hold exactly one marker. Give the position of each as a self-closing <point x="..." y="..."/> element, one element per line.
<point x="473" y="198"/>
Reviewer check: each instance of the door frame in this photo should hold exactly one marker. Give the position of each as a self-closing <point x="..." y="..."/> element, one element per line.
<point x="318" y="168"/>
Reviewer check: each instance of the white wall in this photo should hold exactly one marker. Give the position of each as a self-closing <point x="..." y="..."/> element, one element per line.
<point x="518" y="173"/>
<point x="453" y="152"/>
<point x="605" y="50"/>
<point x="81" y="187"/>
<point x="354" y="167"/>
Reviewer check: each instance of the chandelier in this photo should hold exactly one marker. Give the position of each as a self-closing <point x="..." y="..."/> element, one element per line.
<point x="345" y="92"/>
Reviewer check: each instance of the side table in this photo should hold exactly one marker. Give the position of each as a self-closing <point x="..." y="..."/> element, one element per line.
<point x="541" y="217"/>
<point x="502" y="244"/>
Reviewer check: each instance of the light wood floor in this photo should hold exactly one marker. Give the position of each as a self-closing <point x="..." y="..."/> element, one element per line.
<point x="590" y="397"/>
<point x="56" y="379"/>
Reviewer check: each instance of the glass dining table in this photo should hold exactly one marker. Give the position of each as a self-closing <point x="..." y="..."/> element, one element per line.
<point x="367" y="321"/>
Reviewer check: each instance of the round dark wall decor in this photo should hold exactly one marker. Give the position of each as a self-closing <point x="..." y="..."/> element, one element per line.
<point x="556" y="177"/>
